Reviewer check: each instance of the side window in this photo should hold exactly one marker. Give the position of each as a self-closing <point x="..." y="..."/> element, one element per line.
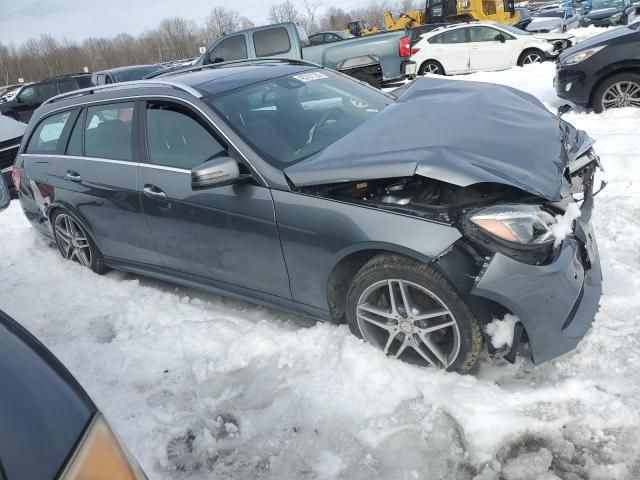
<point x="232" y="48"/>
<point x="109" y="131"/>
<point x="47" y="90"/>
<point x="437" y="39"/>
<point x="74" y="146"/>
<point x="316" y="39"/>
<point x="457" y="35"/>
<point x="176" y="138"/>
<point x="330" y="37"/>
<point x="47" y="134"/>
<point x="67" y="85"/>
<point x="27" y="94"/>
<point x="484" y="34"/>
<point x="272" y="41"/>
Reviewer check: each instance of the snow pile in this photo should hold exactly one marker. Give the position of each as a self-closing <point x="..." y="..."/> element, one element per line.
<point x="501" y="331"/>
<point x="584" y="33"/>
<point x="203" y="387"/>
<point x="564" y="223"/>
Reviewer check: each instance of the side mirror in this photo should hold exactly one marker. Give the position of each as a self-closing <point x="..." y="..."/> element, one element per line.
<point x="5" y="197"/>
<point x="216" y="173"/>
<point x="501" y="38"/>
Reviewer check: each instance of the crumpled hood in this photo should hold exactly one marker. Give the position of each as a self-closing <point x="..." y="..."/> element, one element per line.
<point x="455" y="131"/>
<point x="541" y="23"/>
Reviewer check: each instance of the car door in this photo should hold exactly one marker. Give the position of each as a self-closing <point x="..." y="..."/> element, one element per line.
<point x="26" y="102"/>
<point x="227" y="234"/>
<point x="451" y="49"/>
<point x="96" y="176"/>
<point x="491" y="49"/>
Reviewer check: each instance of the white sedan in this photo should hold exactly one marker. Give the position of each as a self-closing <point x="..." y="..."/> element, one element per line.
<point x="475" y="46"/>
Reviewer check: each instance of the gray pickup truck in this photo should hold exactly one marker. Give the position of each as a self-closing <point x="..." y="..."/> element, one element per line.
<point x="377" y="59"/>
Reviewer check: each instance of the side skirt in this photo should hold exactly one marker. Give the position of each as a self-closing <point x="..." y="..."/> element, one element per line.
<point x="219" y="288"/>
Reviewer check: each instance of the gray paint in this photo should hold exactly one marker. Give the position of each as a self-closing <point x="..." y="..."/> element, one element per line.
<point x="260" y="241"/>
<point x="421" y="134"/>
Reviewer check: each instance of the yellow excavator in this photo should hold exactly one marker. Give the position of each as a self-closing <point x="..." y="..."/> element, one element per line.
<point x="443" y="11"/>
<point x="409" y="19"/>
<point x="452" y="11"/>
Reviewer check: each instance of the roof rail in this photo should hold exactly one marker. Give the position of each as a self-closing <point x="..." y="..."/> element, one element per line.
<point x="246" y="61"/>
<point x="123" y="86"/>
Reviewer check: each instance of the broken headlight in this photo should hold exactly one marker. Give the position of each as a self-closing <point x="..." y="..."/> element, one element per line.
<point x="520" y="231"/>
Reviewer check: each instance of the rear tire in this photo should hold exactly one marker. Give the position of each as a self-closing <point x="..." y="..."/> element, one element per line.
<point x="426" y="323"/>
<point x="74" y="243"/>
<point x="611" y="93"/>
<point x="532" y="55"/>
<point x="432" y="67"/>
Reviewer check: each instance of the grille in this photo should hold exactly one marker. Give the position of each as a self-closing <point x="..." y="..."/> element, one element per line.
<point x="8" y="151"/>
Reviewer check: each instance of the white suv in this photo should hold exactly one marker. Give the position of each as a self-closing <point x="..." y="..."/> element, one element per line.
<point x="470" y="47"/>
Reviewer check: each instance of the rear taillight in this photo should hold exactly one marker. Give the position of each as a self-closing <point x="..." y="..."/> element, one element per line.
<point x="16" y="174"/>
<point x="404" y="47"/>
<point x="414" y="50"/>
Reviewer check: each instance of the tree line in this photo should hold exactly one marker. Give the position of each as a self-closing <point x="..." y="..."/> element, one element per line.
<point x="173" y="39"/>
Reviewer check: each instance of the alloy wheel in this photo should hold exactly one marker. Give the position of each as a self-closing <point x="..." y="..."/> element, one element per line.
<point x="621" y="94"/>
<point x="432" y="68"/>
<point x="532" y="58"/>
<point x="409" y="322"/>
<point x="72" y="241"/>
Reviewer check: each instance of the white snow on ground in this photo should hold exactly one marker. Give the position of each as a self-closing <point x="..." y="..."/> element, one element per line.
<point x="500" y="331"/>
<point x="203" y="387"/>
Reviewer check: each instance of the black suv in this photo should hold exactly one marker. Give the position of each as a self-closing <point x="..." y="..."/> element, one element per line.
<point x="602" y="72"/>
<point x="32" y="96"/>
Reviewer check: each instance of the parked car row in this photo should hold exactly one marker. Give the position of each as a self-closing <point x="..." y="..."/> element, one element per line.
<point x="475" y="46"/>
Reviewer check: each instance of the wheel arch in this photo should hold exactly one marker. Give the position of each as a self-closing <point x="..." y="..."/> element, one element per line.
<point x="433" y="60"/>
<point x="528" y="49"/>
<point x="57" y="205"/>
<point x="616" y="71"/>
<point x="347" y="263"/>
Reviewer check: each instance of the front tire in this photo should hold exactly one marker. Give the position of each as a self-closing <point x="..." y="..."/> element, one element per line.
<point x="618" y="91"/>
<point x="74" y="243"/>
<point x="533" y="55"/>
<point x="410" y="311"/>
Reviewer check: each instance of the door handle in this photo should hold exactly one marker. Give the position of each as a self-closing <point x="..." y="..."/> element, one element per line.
<point x="73" y="176"/>
<point x="154" y="192"/>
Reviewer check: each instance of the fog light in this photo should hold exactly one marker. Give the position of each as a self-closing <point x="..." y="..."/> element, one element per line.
<point x="567" y="87"/>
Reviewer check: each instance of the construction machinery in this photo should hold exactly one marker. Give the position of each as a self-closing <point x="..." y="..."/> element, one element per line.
<point x="358" y="28"/>
<point x="410" y="19"/>
<point x="452" y="11"/>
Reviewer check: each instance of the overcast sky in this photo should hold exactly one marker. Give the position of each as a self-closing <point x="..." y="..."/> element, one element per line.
<point x="78" y="19"/>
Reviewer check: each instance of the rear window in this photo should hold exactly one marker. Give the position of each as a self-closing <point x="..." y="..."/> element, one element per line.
<point x="273" y="41"/>
<point x="47" y="134"/>
<point x="109" y="132"/>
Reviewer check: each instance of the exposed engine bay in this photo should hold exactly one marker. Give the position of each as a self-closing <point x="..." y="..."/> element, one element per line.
<point x="420" y="196"/>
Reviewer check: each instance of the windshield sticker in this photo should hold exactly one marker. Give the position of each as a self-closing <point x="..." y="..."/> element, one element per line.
<point x="308" y="77"/>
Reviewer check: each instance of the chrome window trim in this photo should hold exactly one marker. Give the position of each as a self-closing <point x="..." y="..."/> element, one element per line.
<point x="109" y="160"/>
<point x="151" y="97"/>
<point x="17" y="145"/>
<point x="7" y="169"/>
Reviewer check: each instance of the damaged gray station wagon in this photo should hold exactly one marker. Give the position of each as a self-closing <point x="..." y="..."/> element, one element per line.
<point x="416" y="218"/>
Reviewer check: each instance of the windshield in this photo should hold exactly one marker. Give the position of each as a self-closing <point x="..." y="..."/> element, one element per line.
<point x="289" y="118"/>
<point x="601" y="4"/>
<point x="555" y="14"/>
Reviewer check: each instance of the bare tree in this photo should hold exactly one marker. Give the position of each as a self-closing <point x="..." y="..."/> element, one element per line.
<point x="284" y="12"/>
<point x="311" y="15"/>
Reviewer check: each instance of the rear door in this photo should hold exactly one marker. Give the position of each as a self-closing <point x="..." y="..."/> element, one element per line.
<point x="451" y="49"/>
<point x="487" y="52"/>
<point x="227" y="234"/>
<point x="96" y="177"/>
